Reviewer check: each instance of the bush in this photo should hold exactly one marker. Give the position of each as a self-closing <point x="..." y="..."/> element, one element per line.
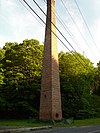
<point x="84" y="114"/>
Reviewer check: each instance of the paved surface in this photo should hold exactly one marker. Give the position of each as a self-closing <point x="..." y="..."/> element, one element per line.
<point x="12" y="129"/>
<point x="84" y="129"/>
<point x="46" y="129"/>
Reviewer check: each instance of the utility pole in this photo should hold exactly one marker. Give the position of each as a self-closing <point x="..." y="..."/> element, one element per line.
<point x="50" y="99"/>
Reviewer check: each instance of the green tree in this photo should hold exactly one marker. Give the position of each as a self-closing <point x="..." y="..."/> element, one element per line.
<point x="22" y="69"/>
<point x="20" y="81"/>
<point x="1" y="65"/>
<point x="75" y="76"/>
<point x="2" y="98"/>
<point x="96" y="81"/>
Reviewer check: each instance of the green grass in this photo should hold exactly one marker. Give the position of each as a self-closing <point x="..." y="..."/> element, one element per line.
<point x="27" y="123"/>
<point x="86" y="122"/>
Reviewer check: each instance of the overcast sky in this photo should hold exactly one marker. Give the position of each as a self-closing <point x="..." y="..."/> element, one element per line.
<point x="17" y="24"/>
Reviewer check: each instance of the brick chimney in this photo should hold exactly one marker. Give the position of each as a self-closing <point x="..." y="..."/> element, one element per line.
<point x="50" y="99"/>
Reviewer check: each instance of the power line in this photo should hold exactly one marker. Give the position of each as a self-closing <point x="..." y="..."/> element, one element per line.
<point x="53" y="32"/>
<point x="76" y="25"/>
<point x="57" y="28"/>
<point x="86" y="25"/>
<point x="44" y="22"/>
<point x="56" y="16"/>
<point x="54" y="25"/>
<point x="30" y="12"/>
<point x="66" y="28"/>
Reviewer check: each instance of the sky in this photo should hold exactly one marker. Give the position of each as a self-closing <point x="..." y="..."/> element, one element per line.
<point x="18" y="23"/>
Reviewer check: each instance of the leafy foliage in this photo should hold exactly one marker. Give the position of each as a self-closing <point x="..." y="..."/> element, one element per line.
<point x="20" y="81"/>
<point x="96" y="81"/>
<point x="1" y="65"/>
<point x="22" y="66"/>
<point x="76" y="76"/>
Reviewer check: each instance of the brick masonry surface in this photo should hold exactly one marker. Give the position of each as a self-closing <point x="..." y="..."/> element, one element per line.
<point x="50" y="100"/>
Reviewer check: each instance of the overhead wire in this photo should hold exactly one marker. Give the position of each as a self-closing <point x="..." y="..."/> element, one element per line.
<point x="57" y="29"/>
<point x="66" y="28"/>
<point x="52" y="23"/>
<point x="86" y="25"/>
<point x="30" y="12"/>
<point x="53" y="32"/>
<point x="66" y="46"/>
<point x="76" y="25"/>
<point x="67" y="31"/>
<point x="57" y="18"/>
<point x="43" y="21"/>
<point x="55" y="26"/>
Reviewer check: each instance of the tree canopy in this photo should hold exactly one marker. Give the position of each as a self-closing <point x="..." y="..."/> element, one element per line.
<point x="20" y="82"/>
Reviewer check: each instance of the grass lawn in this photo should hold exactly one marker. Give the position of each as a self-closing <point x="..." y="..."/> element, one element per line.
<point x="25" y="123"/>
<point x="86" y="122"/>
